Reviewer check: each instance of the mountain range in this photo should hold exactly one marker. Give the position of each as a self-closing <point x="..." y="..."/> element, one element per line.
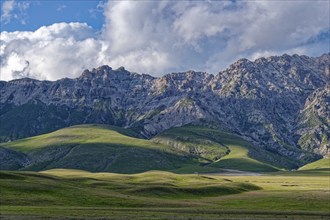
<point x="280" y="105"/>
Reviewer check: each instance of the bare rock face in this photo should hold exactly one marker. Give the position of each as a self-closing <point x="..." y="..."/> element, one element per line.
<point x="279" y="103"/>
<point x="264" y="98"/>
<point x="314" y="122"/>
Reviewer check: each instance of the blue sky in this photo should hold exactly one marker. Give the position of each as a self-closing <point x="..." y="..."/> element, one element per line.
<point x="56" y="39"/>
<point x="47" y="12"/>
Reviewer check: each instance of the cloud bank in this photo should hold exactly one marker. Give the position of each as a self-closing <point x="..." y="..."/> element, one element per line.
<point x="158" y="37"/>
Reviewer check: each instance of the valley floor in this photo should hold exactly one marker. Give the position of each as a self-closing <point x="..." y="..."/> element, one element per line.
<point x="74" y="194"/>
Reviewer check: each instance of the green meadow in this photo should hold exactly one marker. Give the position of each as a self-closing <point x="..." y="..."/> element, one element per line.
<point x="64" y="193"/>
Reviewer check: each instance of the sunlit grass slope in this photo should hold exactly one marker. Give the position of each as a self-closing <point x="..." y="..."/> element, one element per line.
<point x="81" y="188"/>
<point x="78" y="134"/>
<point x="97" y="148"/>
<point x="239" y="159"/>
<point x="319" y="164"/>
<point x="223" y="149"/>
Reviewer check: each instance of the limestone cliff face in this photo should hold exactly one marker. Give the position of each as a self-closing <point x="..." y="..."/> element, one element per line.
<point x="314" y="122"/>
<point x="279" y="103"/>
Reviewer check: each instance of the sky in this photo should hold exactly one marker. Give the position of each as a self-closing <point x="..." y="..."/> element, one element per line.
<point x="49" y="39"/>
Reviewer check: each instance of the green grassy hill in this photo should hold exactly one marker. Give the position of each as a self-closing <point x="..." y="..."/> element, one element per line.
<point x="239" y="159"/>
<point x="319" y="164"/>
<point x="98" y="148"/>
<point x="221" y="149"/>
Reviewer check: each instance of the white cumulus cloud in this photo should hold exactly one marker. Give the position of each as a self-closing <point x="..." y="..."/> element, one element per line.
<point x="158" y="37"/>
<point x="52" y="52"/>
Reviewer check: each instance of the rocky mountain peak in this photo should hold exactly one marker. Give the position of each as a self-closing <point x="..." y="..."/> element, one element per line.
<point x="96" y="72"/>
<point x="277" y="103"/>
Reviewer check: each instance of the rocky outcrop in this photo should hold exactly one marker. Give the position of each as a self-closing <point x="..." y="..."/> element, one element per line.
<point x="269" y="102"/>
<point x="314" y="122"/>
